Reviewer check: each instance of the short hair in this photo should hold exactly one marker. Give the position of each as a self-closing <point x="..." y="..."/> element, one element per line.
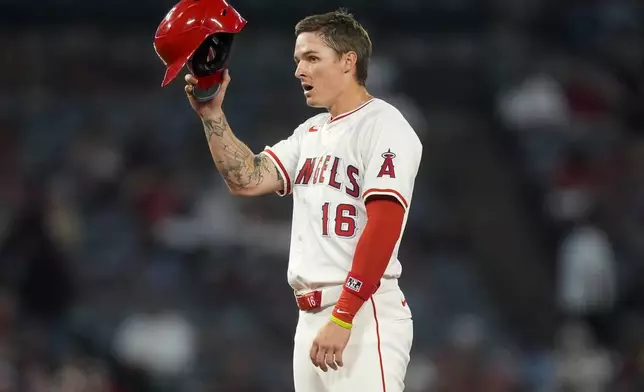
<point x="343" y="33"/>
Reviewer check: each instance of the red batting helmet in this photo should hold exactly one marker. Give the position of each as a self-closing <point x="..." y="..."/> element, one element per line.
<point x="198" y="33"/>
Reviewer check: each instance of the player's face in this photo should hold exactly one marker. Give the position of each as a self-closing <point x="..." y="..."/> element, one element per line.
<point x="319" y="69"/>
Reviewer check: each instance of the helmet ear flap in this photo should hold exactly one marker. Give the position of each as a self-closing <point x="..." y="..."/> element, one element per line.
<point x="212" y="55"/>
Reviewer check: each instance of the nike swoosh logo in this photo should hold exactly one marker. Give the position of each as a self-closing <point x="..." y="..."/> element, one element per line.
<point x="341" y="311"/>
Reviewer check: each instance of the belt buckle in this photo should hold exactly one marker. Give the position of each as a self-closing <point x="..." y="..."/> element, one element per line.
<point x="309" y="301"/>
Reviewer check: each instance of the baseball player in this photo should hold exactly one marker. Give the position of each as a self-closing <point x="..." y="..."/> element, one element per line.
<point x="351" y="173"/>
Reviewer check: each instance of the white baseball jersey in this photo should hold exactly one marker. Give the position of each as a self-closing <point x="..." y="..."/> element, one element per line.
<point x="331" y="166"/>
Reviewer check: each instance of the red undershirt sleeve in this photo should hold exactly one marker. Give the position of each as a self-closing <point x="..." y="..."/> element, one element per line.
<point x="385" y="216"/>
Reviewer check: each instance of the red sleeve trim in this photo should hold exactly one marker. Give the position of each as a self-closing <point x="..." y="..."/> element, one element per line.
<point x="283" y="172"/>
<point x="388" y="192"/>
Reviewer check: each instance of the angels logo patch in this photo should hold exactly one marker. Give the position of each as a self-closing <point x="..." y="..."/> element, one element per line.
<point x="387" y="168"/>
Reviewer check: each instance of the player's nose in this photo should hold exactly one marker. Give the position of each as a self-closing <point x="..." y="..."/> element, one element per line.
<point x="299" y="72"/>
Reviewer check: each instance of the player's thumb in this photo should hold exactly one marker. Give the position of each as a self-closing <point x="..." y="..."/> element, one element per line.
<point x="189" y="90"/>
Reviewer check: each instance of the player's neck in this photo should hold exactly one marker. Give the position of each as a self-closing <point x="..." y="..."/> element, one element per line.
<point x="349" y="101"/>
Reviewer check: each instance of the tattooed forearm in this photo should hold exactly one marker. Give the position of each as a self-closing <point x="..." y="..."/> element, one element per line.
<point x="215" y="127"/>
<point x="239" y="166"/>
<point x="242" y="169"/>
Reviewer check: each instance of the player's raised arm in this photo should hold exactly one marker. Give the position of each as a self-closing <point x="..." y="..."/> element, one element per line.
<point x="245" y="173"/>
<point x="199" y="36"/>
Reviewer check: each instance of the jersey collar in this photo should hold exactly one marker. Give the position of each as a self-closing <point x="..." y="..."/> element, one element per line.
<point x="343" y="115"/>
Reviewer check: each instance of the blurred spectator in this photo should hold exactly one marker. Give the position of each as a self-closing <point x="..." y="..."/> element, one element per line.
<point x="159" y="341"/>
<point x="588" y="277"/>
<point x="581" y="364"/>
<point x="537" y="104"/>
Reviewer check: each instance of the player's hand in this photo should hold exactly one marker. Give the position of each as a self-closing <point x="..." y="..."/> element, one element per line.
<point x="328" y="346"/>
<point x="212" y="107"/>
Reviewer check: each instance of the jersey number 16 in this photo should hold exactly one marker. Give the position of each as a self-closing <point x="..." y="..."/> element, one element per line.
<point x="345" y="220"/>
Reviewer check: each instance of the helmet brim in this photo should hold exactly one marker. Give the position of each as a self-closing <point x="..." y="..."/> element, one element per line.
<point x="171" y="72"/>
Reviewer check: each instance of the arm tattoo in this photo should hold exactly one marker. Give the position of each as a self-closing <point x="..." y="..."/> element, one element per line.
<point x="234" y="160"/>
<point x="215" y="127"/>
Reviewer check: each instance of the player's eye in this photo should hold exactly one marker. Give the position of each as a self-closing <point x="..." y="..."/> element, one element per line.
<point x="313" y="59"/>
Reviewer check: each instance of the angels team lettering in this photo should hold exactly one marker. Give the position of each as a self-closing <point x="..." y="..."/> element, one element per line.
<point x="325" y="170"/>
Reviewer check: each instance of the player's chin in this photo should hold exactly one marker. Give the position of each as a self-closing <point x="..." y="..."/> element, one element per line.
<point x="312" y="102"/>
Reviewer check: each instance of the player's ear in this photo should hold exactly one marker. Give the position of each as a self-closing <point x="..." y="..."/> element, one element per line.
<point x="349" y="61"/>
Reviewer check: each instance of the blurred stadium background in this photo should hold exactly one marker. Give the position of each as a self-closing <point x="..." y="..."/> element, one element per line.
<point x="125" y="265"/>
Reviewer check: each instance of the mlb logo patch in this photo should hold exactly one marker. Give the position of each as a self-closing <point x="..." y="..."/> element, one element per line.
<point x="353" y="284"/>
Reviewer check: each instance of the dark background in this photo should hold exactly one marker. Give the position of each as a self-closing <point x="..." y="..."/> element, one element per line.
<point x="126" y="266"/>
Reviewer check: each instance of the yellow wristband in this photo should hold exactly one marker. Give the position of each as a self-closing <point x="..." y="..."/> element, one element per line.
<point x="341" y="323"/>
